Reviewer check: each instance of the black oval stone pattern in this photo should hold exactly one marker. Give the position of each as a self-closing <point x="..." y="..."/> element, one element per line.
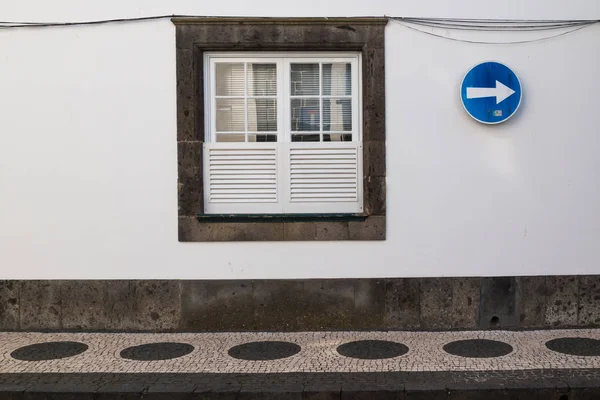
<point x="262" y="351"/>
<point x="575" y="346"/>
<point x="49" y="351"/>
<point x="478" y="348"/>
<point x="372" y="349"/>
<point x="157" y="351"/>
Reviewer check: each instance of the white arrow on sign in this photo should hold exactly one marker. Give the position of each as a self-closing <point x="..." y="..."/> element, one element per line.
<point x="501" y="92"/>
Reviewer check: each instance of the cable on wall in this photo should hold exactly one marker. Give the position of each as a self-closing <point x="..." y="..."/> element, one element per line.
<point x="494" y="26"/>
<point x="480" y="25"/>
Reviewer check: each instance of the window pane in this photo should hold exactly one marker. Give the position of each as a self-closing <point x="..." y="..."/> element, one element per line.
<point x="337" y="137"/>
<point x="337" y="114"/>
<point x="337" y="79"/>
<point x="231" y="116"/>
<point x="262" y="115"/>
<point x="262" y="80"/>
<point x="231" y="137"/>
<point x="304" y="79"/>
<point x="262" y="137"/>
<point x="230" y="79"/>
<point x="305" y="138"/>
<point x="305" y="115"/>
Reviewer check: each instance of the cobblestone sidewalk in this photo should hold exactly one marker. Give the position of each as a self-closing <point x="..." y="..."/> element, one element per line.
<point x="559" y="361"/>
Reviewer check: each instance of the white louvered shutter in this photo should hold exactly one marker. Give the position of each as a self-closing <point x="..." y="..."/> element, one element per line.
<point x="324" y="178"/>
<point x="241" y="178"/>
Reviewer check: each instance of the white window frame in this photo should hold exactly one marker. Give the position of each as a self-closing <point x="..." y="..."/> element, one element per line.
<point x="284" y="204"/>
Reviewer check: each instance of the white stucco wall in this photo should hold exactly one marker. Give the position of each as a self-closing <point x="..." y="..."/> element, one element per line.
<point x="88" y="165"/>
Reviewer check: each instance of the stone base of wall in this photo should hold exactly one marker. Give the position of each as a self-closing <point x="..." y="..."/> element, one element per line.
<point x="302" y="305"/>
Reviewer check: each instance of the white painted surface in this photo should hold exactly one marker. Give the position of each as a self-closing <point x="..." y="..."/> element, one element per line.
<point x="88" y="166"/>
<point x="515" y="9"/>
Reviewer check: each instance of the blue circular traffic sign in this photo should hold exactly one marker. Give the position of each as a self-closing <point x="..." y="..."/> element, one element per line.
<point x="491" y="93"/>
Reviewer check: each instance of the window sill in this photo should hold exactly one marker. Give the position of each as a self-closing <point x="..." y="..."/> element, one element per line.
<point x="235" y="218"/>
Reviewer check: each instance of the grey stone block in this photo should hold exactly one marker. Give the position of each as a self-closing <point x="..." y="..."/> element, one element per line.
<point x="121" y="308"/>
<point x="330" y="304"/>
<point x="561" y="301"/>
<point x="374" y="191"/>
<point x="589" y="301"/>
<point x="229" y="232"/>
<point x="83" y="304"/>
<point x="374" y="163"/>
<point x="532" y="303"/>
<point x="311" y="35"/>
<point x="402" y="304"/>
<point x="373" y="228"/>
<point x="186" y="112"/>
<point x="332" y="230"/>
<point x="264" y="231"/>
<point x="190" y="179"/>
<point x="40" y="306"/>
<point x="193" y="230"/>
<point x="436" y="303"/>
<point x="374" y="96"/>
<point x="159" y="304"/>
<point x="278" y="305"/>
<point x="498" y="303"/>
<point x="465" y="302"/>
<point x="142" y="305"/>
<point x="216" y="305"/>
<point x="369" y="304"/>
<point x="9" y="305"/>
<point x="300" y="231"/>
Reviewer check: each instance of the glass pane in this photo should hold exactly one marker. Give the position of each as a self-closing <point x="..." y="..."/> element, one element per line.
<point x="230" y="79"/>
<point x="337" y="79"/>
<point x="262" y="80"/>
<point x="337" y="137"/>
<point x="304" y="79"/>
<point x="262" y="137"/>
<point x="231" y="137"/>
<point x="337" y="114"/>
<point x="262" y="115"/>
<point x="305" y="138"/>
<point x="231" y="116"/>
<point x="305" y="115"/>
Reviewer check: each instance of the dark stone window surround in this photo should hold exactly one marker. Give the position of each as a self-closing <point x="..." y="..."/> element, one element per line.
<point x="194" y="36"/>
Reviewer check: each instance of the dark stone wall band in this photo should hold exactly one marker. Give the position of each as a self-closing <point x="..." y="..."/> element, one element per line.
<point x="301" y="305"/>
<point x="194" y="36"/>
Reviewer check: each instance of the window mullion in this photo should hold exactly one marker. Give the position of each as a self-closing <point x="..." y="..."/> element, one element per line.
<point x="246" y="100"/>
<point x="283" y="146"/>
<point x="320" y="102"/>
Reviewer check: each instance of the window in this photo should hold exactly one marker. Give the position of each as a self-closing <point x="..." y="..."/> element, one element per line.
<point x="280" y="128"/>
<point x="284" y="133"/>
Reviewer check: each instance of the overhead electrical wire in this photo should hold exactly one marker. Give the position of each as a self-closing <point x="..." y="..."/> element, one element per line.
<point x="480" y="25"/>
<point x="494" y="26"/>
<point x="21" y="24"/>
